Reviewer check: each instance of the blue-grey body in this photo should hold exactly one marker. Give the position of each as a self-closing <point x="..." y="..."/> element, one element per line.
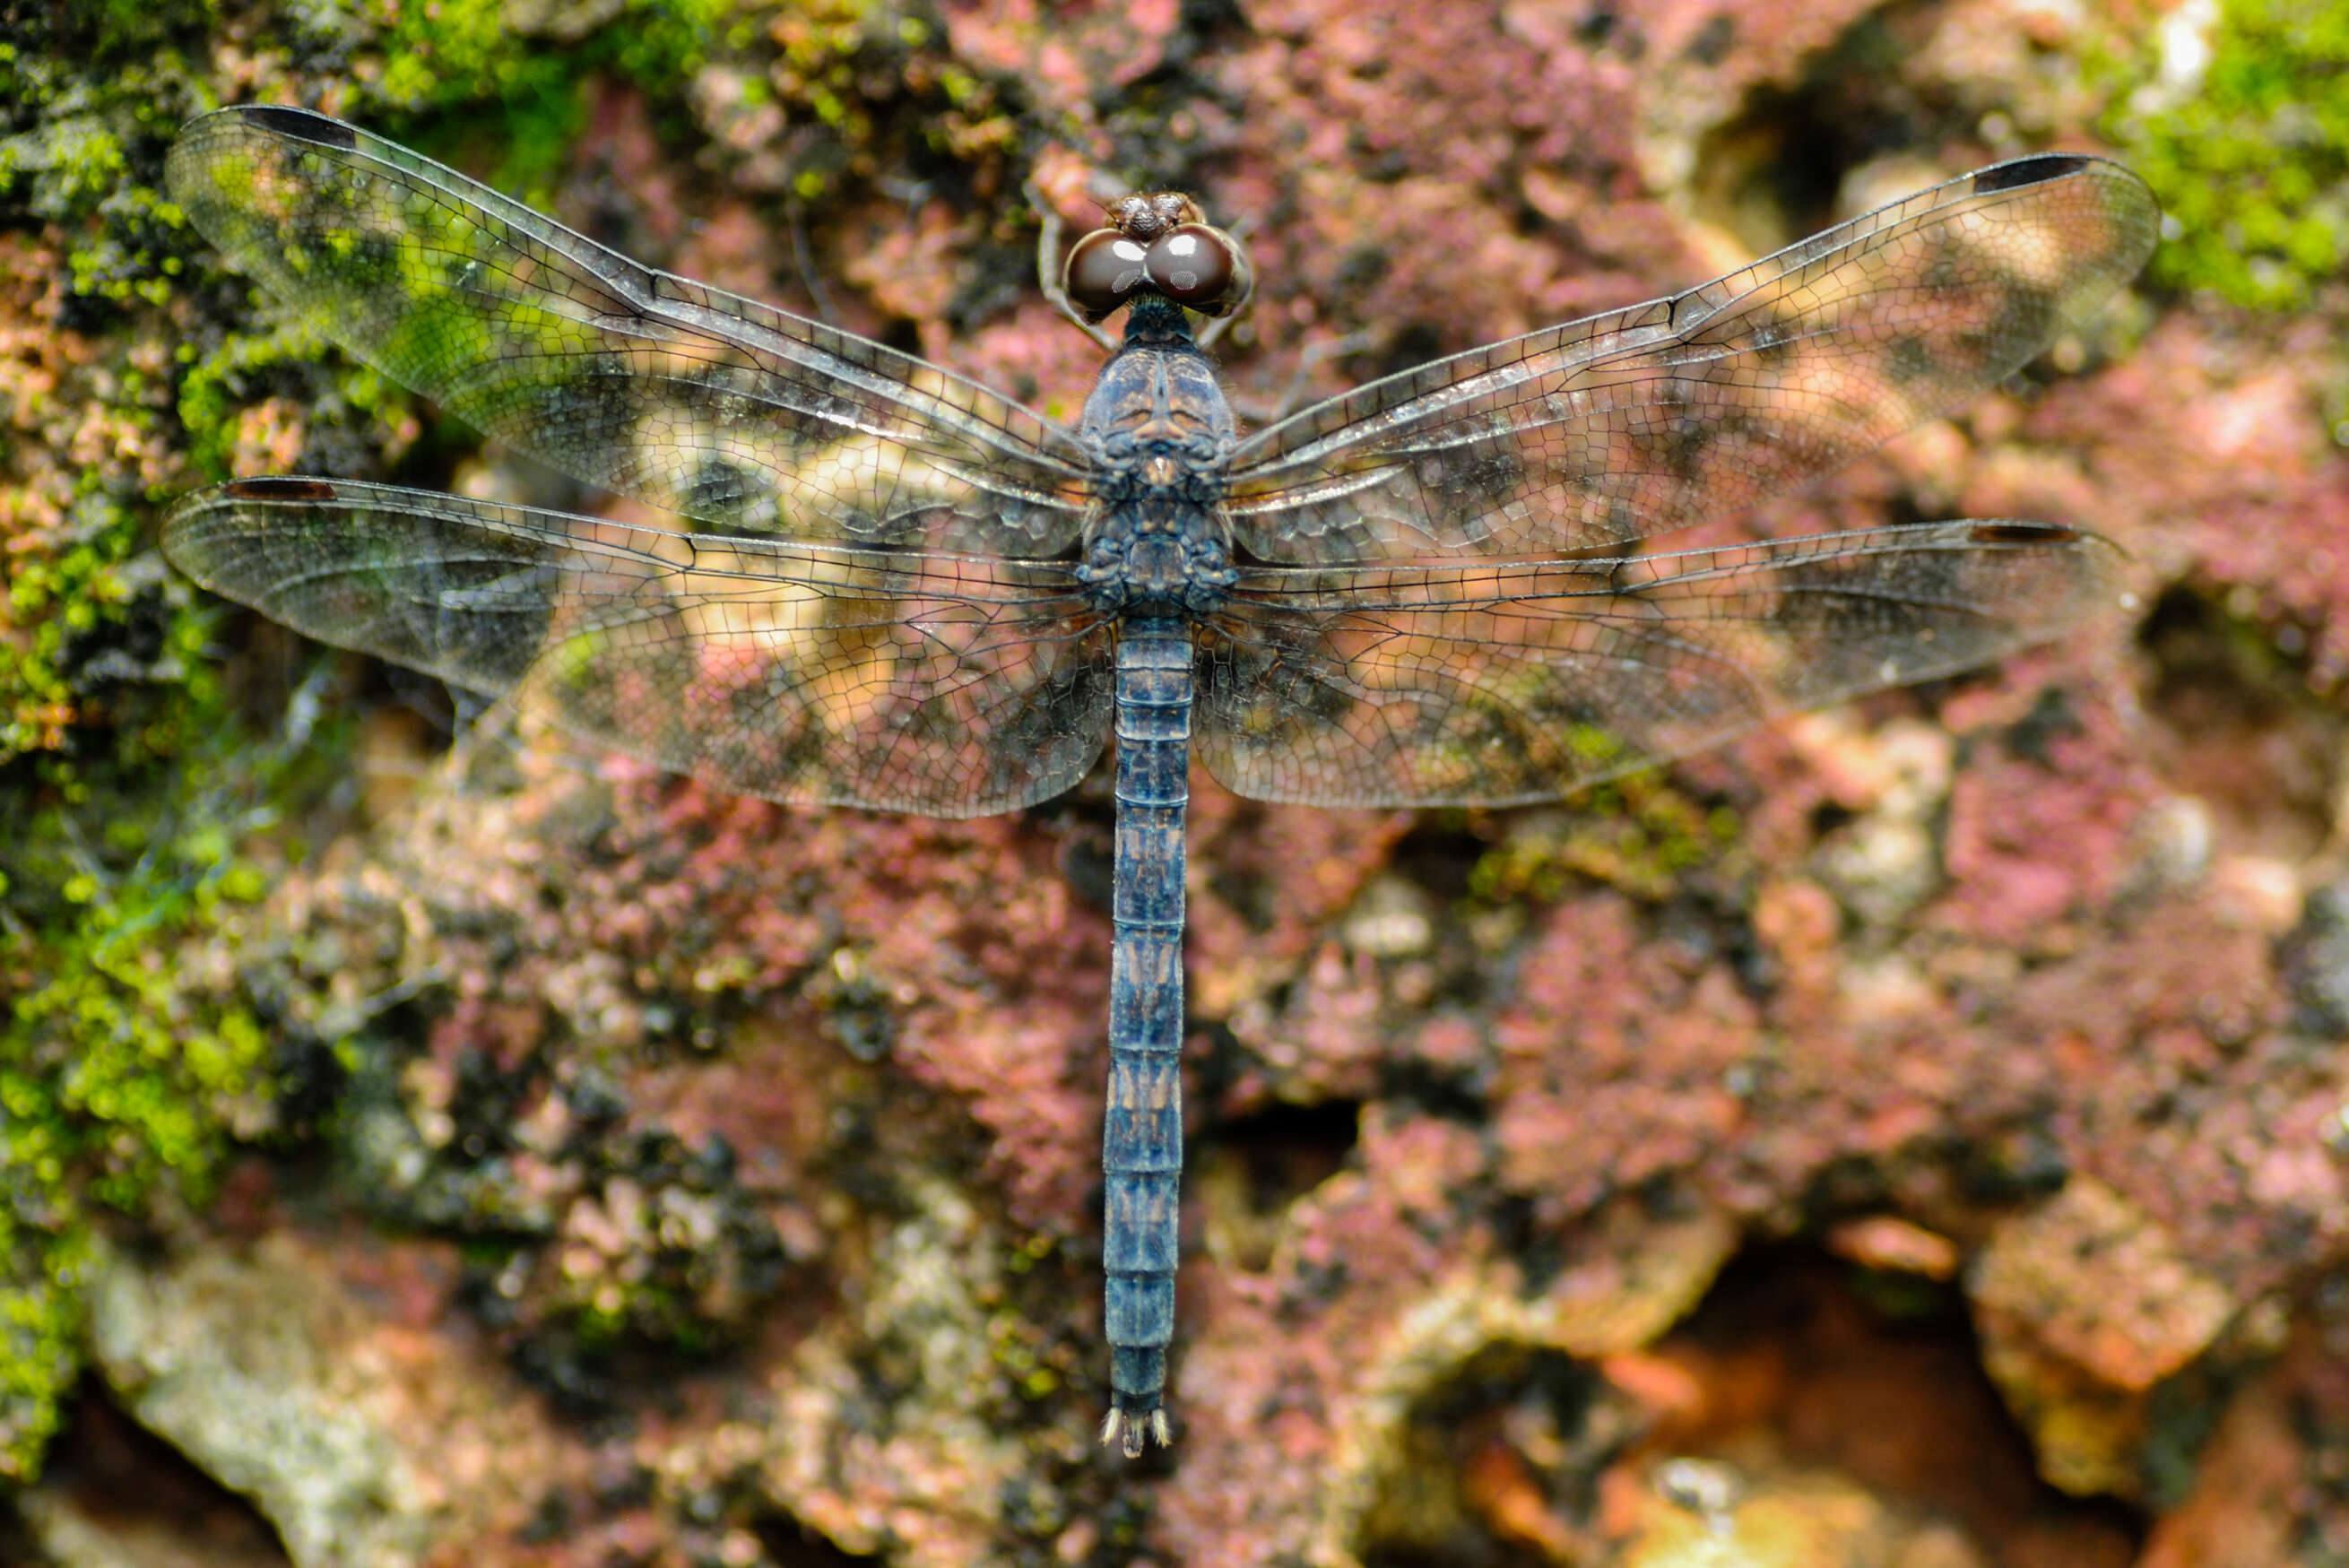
<point x="1158" y="554"/>
<point x="894" y="589"/>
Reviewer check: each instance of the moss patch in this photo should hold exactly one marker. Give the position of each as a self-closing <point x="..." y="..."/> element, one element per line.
<point x="2238" y="114"/>
<point x="132" y="366"/>
<point x="1638" y="835"/>
<point x="122" y="1084"/>
<point x="143" y="813"/>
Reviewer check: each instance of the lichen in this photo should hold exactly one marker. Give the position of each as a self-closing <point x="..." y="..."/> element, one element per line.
<point x="2238" y="114"/>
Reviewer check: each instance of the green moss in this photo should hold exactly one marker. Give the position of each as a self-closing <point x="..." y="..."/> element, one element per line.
<point x="463" y="55"/>
<point x="128" y="1066"/>
<point x="120" y="1078"/>
<point x="1638" y="834"/>
<point x="222" y="381"/>
<point x="2249" y="153"/>
<point x="130" y="794"/>
<point x="1035" y="1365"/>
<point x="456" y="51"/>
<point x="40" y="1323"/>
<point x="81" y="588"/>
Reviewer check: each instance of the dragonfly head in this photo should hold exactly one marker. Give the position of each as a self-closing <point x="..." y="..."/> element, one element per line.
<point x="1158" y="243"/>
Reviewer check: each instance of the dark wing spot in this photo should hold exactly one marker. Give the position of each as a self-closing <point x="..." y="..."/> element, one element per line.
<point x="279" y="490"/>
<point x="1774" y="347"/>
<point x="1946" y="272"/>
<point x="301" y="125"/>
<point x="1280" y="687"/>
<point x="791" y="740"/>
<point x="1476" y="480"/>
<point x="2036" y="169"/>
<point x="717" y="490"/>
<point x="1564" y="705"/>
<point x="2022" y="317"/>
<point x="1047" y="735"/>
<point x="1909" y="359"/>
<point x="2024" y="533"/>
<point x="1680" y="433"/>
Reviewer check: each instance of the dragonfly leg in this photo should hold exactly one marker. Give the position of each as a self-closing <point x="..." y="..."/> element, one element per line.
<point x="804" y="256"/>
<point x="1240" y="229"/>
<point x="1300" y="381"/>
<point x="1216" y="327"/>
<point x="1220" y="325"/>
<point x="1049" y="233"/>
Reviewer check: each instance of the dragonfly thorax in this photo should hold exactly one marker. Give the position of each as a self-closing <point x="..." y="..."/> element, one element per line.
<point x="1157" y="561"/>
<point x="1157" y="397"/>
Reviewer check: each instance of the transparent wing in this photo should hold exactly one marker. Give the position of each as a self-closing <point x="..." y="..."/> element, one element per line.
<point x="948" y="685"/>
<point x="686" y="398"/>
<point x="1627" y="425"/>
<point x="1497" y="682"/>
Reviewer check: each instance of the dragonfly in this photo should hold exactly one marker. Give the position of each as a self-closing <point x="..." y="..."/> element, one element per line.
<point x="892" y="588"/>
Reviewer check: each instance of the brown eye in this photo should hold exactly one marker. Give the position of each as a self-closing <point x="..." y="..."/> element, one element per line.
<point x="1199" y="267"/>
<point x="1102" y="271"/>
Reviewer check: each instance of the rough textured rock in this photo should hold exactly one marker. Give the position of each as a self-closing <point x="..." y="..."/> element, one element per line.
<point x="362" y="1438"/>
<point x="2083" y="1308"/>
<point x="1734" y="1155"/>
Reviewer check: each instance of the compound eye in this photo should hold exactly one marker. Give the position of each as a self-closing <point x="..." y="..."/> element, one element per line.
<point x="1102" y="271"/>
<point x="1200" y="267"/>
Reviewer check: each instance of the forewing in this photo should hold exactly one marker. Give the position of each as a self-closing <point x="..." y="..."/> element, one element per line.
<point x="905" y="681"/>
<point x="1500" y="683"/>
<point x="686" y="398"/>
<point x="1627" y="425"/>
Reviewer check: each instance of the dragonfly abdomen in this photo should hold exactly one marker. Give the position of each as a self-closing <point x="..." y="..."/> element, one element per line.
<point x="1142" y="1129"/>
